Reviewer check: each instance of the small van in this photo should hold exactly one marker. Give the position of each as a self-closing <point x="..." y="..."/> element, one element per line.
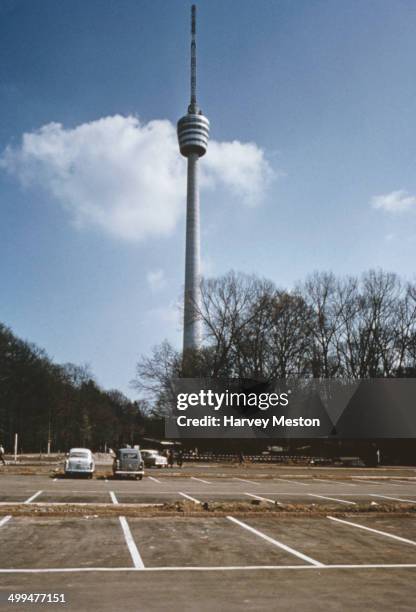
<point x="128" y="462"/>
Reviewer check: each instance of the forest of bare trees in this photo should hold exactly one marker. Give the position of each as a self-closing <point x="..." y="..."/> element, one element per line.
<point x="44" y="401"/>
<point x="326" y="327"/>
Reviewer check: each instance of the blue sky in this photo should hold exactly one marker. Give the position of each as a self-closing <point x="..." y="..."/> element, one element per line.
<point x="92" y="212"/>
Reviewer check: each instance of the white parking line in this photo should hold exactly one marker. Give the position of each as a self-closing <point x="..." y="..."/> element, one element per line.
<point x="408" y="501"/>
<point x="5" y="519"/>
<point x="84" y="491"/>
<point x="154" y="479"/>
<point x="405" y="481"/>
<point x="303" y="484"/>
<point x="383" y="533"/>
<point x="89" y="504"/>
<point x="33" y="497"/>
<point x="196" y="501"/>
<point x="249" y="481"/>
<point x="341" y="501"/>
<point x="272" y="501"/>
<point x="368" y="481"/>
<point x="391" y="483"/>
<point x="113" y="497"/>
<point x="200" y="480"/>
<point x="202" y="568"/>
<point x="131" y="545"/>
<point x="275" y="542"/>
<point x="348" y="484"/>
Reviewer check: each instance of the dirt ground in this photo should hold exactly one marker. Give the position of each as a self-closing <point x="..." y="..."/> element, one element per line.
<point x="203" y="538"/>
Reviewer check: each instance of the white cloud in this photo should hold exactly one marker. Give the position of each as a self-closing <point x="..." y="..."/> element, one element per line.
<point x="242" y="167"/>
<point x="114" y="173"/>
<point x="394" y="202"/>
<point x="156" y="279"/>
<point x="126" y="177"/>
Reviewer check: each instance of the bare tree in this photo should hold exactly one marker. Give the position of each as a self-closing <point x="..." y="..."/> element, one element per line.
<point x="405" y="333"/>
<point x="154" y="376"/>
<point x="290" y="337"/>
<point x="327" y="327"/>
<point x="321" y="292"/>
<point x="229" y="306"/>
<point x="368" y="338"/>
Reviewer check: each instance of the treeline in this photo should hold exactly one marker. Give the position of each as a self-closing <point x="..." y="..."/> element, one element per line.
<point x="326" y="327"/>
<point x="41" y="400"/>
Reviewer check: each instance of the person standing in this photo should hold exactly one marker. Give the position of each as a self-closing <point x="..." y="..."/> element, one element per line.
<point x="2" y="454"/>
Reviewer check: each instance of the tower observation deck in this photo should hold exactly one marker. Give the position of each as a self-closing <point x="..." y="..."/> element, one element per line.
<point x="193" y="134"/>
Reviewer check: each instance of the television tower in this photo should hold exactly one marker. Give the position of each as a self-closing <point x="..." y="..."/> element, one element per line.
<point x="193" y="133"/>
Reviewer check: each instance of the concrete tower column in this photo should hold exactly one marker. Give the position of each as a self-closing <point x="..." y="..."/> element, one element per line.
<point x="192" y="298"/>
<point x="193" y="134"/>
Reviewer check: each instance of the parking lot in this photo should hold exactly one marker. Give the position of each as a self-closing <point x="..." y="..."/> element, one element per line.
<point x="337" y="557"/>
<point x="169" y="486"/>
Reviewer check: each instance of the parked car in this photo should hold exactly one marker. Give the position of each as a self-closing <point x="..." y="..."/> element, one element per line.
<point x="80" y="461"/>
<point x="152" y="458"/>
<point x="128" y="462"/>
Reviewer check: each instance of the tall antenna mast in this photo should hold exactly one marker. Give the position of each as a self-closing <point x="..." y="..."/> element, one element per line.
<point x="193" y="107"/>
<point x="193" y="134"/>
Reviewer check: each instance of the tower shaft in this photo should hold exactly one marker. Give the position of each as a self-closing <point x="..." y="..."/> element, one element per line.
<point x="192" y="323"/>
<point x="193" y="134"/>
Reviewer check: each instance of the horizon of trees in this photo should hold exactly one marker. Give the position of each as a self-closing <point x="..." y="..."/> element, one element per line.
<point x="326" y="327"/>
<point x="41" y="400"/>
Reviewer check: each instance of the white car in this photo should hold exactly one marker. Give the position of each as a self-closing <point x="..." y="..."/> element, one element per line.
<point x="152" y="458"/>
<point x="80" y="461"/>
